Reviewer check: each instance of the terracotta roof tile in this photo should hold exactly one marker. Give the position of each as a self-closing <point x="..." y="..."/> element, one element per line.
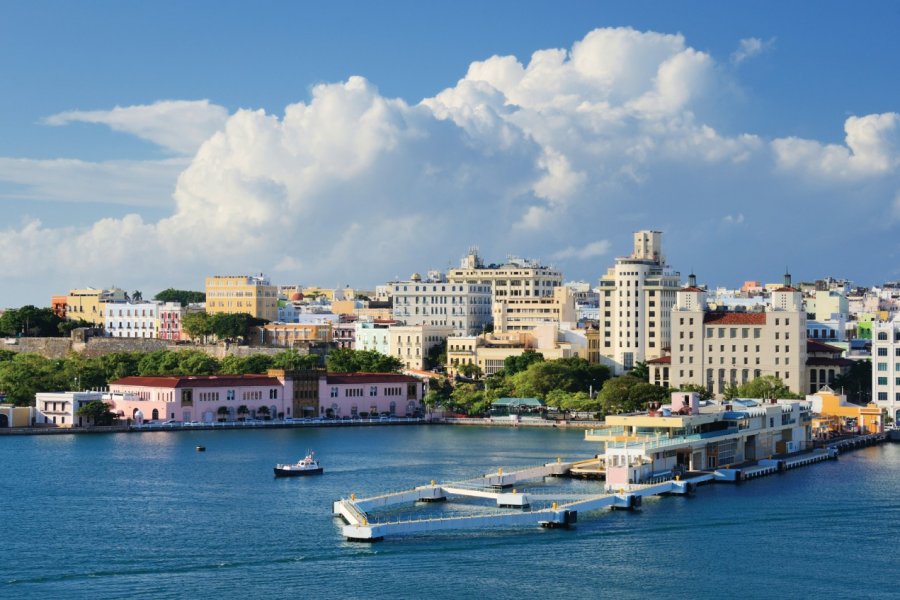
<point x="662" y="360"/>
<point x="192" y="381"/>
<point x="734" y="318"/>
<point x="351" y="378"/>
<point x="817" y="346"/>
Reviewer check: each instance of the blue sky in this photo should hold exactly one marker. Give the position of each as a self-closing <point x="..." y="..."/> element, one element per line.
<point x="741" y="209"/>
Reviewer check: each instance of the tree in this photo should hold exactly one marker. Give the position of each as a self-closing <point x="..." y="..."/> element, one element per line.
<point x="243" y="411"/>
<point x="66" y="328"/>
<point x="857" y="382"/>
<point x="291" y="360"/>
<point x="615" y="397"/>
<point x="241" y="365"/>
<point x="467" y="398"/>
<point x="516" y="364"/>
<point x="84" y="373"/>
<point x="183" y="297"/>
<point x="29" y="321"/>
<point x="767" y="387"/>
<point x="197" y="325"/>
<point x="223" y="413"/>
<point x="470" y="371"/>
<point x="345" y="360"/>
<point x="705" y="394"/>
<point x="264" y="411"/>
<point x="28" y="374"/>
<point x="641" y="370"/>
<point x="137" y="296"/>
<point x="98" y="412"/>
<point x="436" y="355"/>
<point x="567" y="374"/>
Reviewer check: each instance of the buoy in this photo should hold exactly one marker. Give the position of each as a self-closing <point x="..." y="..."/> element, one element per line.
<point x="201" y="448"/>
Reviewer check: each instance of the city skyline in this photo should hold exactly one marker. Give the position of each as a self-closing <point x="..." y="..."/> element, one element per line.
<point x="308" y="144"/>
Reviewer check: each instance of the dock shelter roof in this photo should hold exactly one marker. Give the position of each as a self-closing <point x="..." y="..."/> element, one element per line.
<point x="518" y="403"/>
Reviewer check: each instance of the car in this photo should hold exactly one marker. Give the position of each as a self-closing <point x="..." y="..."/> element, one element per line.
<point x="171" y="422"/>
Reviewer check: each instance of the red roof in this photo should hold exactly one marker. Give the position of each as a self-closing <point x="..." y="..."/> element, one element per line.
<point x="816" y="346"/>
<point x="194" y="381"/>
<point x="692" y="289"/>
<point x="787" y="289"/>
<point x="662" y="360"/>
<point x="351" y="378"/>
<point x="734" y="318"/>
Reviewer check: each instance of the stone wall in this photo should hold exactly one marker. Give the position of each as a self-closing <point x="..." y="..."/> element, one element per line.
<point x="46" y="347"/>
<point x="99" y="346"/>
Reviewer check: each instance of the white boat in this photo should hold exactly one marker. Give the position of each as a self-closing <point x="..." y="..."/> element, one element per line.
<point x="306" y="466"/>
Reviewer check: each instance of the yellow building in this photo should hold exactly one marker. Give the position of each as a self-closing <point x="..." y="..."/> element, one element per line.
<point x="232" y="294"/>
<point x="15" y="416"/>
<point x="837" y="416"/>
<point x="89" y="303"/>
<point x="490" y="350"/>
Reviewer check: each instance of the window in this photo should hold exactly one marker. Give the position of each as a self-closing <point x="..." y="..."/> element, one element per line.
<point x="882" y="380"/>
<point x="334" y="392"/>
<point x="882" y="352"/>
<point x="882" y="366"/>
<point x="373" y="390"/>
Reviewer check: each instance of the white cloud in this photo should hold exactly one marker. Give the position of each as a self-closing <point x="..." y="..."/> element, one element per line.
<point x="750" y="47"/>
<point x="590" y="250"/>
<point x="872" y="148"/>
<point x="179" y="126"/>
<point x="589" y="143"/>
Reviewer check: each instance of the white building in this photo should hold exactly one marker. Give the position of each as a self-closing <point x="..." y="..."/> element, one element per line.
<point x="138" y="320"/>
<point x="59" y="408"/>
<point x="436" y="302"/>
<point x="373" y="335"/>
<point x="886" y="367"/>
<point x="518" y="277"/>
<point x="636" y="297"/>
<point x="411" y="343"/>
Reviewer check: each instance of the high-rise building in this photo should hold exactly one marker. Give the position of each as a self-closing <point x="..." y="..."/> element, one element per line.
<point x="436" y="302"/>
<point x="636" y="296"/>
<point x="233" y="294"/>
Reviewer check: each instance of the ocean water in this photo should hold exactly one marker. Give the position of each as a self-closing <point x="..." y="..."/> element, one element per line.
<point x="145" y="515"/>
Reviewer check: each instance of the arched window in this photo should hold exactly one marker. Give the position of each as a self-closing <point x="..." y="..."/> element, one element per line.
<point x="155" y="414"/>
<point x="882" y="336"/>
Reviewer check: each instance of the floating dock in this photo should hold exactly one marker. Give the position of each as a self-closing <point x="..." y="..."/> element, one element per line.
<point x="546" y="509"/>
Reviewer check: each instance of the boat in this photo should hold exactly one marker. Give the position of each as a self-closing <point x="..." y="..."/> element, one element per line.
<point x="306" y="466"/>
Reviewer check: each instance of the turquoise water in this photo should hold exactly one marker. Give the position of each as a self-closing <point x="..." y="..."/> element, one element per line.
<point x="145" y="515"/>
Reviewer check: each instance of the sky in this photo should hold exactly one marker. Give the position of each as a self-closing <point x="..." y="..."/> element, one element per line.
<point x="149" y="145"/>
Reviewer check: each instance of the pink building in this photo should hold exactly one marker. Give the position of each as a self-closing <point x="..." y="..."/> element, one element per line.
<point x="170" y="315"/>
<point x="350" y="394"/>
<point x="205" y="398"/>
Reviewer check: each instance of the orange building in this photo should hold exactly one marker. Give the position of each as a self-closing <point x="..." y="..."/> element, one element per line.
<point x="837" y="416"/>
<point x="58" y="305"/>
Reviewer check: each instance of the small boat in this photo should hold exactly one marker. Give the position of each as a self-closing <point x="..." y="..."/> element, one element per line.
<point x="307" y="466"/>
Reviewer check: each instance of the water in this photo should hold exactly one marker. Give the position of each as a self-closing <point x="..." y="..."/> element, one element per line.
<point x="145" y="515"/>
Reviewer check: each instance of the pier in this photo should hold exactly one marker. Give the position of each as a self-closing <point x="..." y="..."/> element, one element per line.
<point x="545" y="509"/>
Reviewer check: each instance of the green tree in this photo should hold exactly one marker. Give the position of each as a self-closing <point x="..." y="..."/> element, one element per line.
<point x="470" y="370"/>
<point x="120" y="364"/>
<point x="98" y="412"/>
<point x="643" y="393"/>
<point x="226" y="326"/>
<point x="66" y="328"/>
<point x="291" y="360"/>
<point x="436" y="356"/>
<point x="516" y="364"/>
<point x="183" y="297"/>
<point x="28" y="374"/>
<point x="137" y="296"/>
<point x="567" y="374"/>
<point x="263" y="411"/>
<point x="767" y="387"/>
<point x="241" y="365"/>
<point x="223" y="413"/>
<point x="641" y="370"/>
<point x="345" y="360"/>
<point x="705" y="394"/>
<point x="29" y="321"/>
<point x="84" y="373"/>
<point x="615" y="397"/>
<point x="242" y="411"/>
<point x="467" y="398"/>
<point x="197" y="325"/>
<point x="857" y="382"/>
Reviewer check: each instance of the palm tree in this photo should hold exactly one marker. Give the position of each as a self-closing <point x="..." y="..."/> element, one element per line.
<point x="223" y="413"/>
<point x="263" y="410"/>
<point x="242" y="411"/>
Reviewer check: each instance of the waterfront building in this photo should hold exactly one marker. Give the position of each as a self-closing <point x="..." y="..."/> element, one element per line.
<point x="723" y="348"/>
<point x="524" y="313"/>
<point x="384" y="394"/>
<point x="233" y="294"/>
<point x="886" y="367"/>
<point x="464" y="307"/>
<point x="206" y="398"/>
<point x="689" y="435"/>
<point x="58" y="409"/>
<point x="518" y="277"/>
<point x="833" y="415"/>
<point x="88" y="303"/>
<point x="16" y="416"/>
<point x="636" y="298"/>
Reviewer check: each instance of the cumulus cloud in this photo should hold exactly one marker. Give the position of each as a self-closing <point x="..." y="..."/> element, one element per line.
<point x="750" y="47"/>
<point x="179" y="126"/>
<point x="586" y="143"/>
<point x="590" y="250"/>
<point x="872" y="147"/>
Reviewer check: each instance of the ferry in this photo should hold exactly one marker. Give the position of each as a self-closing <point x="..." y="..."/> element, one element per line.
<point x="307" y="466"/>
